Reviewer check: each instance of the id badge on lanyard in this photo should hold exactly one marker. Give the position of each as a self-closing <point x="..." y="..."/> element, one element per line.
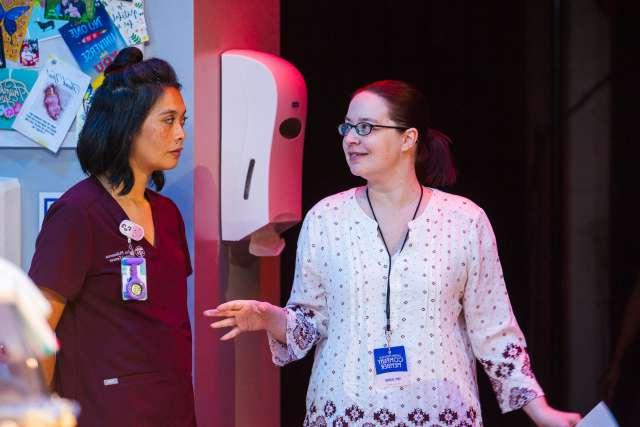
<point x="133" y="270"/>
<point x="391" y="366"/>
<point x="391" y="362"/>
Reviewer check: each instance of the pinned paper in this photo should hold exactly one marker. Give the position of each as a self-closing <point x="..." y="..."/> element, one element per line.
<point x="15" y="16"/>
<point x="42" y="28"/>
<point x="80" y="11"/>
<point x="95" y="44"/>
<point x="52" y="105"/>
<point x="15" y="85"/>
<point x="81" y="117"/>
<point x="30" y="53"/>
<point x="129" y="18"/>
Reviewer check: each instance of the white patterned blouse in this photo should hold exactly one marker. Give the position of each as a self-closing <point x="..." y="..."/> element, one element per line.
<point x="449" y="306"/>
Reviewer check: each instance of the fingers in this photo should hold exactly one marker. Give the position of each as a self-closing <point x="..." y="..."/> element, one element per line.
<point x="231" y="334"/>
<point x="231" y="305"/>
<point x="226" y="323"/>
<point x="214" y="312"/>
<point x="573" y="419"/>
<point x="226" y="309"/>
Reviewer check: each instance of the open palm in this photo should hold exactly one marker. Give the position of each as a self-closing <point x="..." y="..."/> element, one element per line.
<point x="240" y="315"/>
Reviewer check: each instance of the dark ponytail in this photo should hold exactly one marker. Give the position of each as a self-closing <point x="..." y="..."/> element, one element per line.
<point x="408" y="107"/>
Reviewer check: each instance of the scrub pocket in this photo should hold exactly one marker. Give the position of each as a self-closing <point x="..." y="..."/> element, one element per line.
<point x="152" y="399"/>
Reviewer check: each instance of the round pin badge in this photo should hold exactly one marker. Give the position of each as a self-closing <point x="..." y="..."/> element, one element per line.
<point x="125" y="227"/>
<point x="137" y="232"/>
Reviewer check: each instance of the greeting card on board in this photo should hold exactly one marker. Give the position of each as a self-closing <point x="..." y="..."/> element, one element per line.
<point x="14" y="17"/>
<point x="14" y="88"/>
<point x="81" y="117"/>
<point x="94" y="44"/>
<point x="42" y="28"/>
<point x="129" y="19"/>
<point x="70" y="10"/>
<point x="30" y="53"/>
<point x="52" y="104"/>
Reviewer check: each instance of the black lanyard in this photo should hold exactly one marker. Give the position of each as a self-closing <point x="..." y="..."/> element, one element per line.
<point x="384" y="242"/>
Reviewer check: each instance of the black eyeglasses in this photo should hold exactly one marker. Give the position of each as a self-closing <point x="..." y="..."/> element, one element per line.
<point x="363" y="128"/>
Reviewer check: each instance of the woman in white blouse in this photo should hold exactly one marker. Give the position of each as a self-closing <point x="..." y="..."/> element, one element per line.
<point x="399" y="287"/>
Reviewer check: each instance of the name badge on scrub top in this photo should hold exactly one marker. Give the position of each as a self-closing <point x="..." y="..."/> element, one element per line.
<point x="133" y="270"/>
<point x="391" y="366"/>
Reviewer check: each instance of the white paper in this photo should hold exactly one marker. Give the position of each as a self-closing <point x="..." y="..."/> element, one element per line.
<point x="600" y="416"/>
<point x="47" y="125"/>
<point x="128" y="16"/>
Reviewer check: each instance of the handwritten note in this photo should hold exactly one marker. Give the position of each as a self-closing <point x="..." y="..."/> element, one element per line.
<point x="130" y="20"/>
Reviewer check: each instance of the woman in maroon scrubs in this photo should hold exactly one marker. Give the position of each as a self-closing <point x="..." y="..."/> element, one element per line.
<point x="125" y="338"/>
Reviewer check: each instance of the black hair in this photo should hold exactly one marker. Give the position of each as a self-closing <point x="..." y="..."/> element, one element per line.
<point x="408" y="107"/>
<point x="118" y="109"/>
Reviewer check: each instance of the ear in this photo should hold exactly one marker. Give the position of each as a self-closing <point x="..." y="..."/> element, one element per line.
<point x="409" y="139"/>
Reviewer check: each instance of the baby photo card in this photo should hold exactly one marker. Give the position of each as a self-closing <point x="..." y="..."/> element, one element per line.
<point x="52" y="104"/>
<point x="30" y="53"/>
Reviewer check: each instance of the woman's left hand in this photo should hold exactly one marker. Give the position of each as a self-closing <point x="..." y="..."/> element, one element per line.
<point x="544" y="415"/>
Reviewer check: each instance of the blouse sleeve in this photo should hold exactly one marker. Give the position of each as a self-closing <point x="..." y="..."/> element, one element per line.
<point x="306" y="309"/>
<point x="496" y="338"/>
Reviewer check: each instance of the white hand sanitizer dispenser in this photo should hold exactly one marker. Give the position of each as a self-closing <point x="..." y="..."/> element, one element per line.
<point x="264" y="106"/>
<point x="10" y="224"/>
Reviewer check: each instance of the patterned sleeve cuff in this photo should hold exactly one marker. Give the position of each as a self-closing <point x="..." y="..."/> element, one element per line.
<point x="520" y="397"/>
<point x="301" y="335"/>
<point x="512" y="379"/>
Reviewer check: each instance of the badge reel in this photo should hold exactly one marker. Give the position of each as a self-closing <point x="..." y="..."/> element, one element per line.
<point x="133" y="270"/>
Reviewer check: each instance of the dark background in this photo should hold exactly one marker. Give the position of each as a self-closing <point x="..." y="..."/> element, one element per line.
<point x="492" y="72"/>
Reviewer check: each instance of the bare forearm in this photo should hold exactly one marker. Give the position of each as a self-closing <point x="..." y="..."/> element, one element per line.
<point x="545" y="416"/>
<point x="57" y="307"/>
<point x="533" y="408"/>
<point x="276" y="322"/>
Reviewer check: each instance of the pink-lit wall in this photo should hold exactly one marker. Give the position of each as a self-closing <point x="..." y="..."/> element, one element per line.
<point x="235" y="383"/>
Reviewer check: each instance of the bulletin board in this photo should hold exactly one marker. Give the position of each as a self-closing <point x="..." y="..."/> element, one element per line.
<point x="52" y="57"/>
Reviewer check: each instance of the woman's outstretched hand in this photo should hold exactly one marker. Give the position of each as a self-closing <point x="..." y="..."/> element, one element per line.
<point x="249" y="315"/>
<point x="544" y="415"/>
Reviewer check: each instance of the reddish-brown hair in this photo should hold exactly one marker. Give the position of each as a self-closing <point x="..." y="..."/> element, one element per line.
<point x="408" y="107"/>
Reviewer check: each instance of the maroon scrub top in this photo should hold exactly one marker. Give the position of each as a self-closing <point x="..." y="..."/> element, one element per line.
<point x="128" y="363"/>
